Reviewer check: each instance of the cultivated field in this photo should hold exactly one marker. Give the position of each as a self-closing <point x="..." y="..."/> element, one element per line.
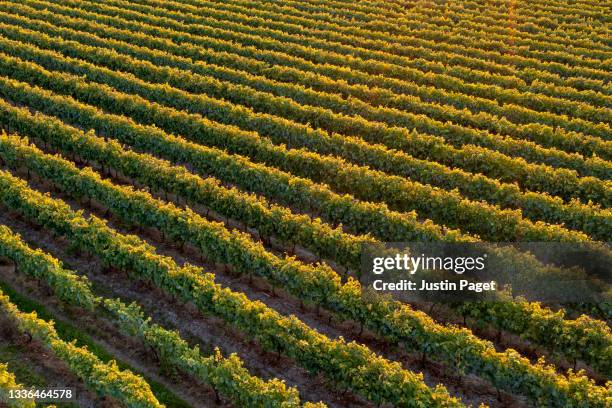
<point x="186" y="187"/>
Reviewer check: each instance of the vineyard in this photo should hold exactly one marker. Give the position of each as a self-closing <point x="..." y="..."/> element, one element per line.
<point x="187" y="188"/>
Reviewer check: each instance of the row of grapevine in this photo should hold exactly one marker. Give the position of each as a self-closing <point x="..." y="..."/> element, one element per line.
<point x="471" y="47"/>
<point x="533" y="79"/>
<point x="103" y="378"/>
<point x="274" y="184"/>
<point x="594" y="47"/>
<point x="254" y="44"/>
<point x="366" y="184"/>
<point x="269" y="40"/>
<point x="484" y="27"/>
<point x="566" y="9"/>
<point x="337" y="121"/>
<point x="416" y="22"/>
<point x="74" y="142"/>
<point x="465" y="73"/>
<point x="227" y="375"/>
<point x="316" y="284"/>
<point x="255" y="212"/>
<point x="561" y="10"/>
<point x="479" y="30"/>
<point x="570" y="23"/>
<point x="540" y="133"/>
<point x="318" y="140"/>
<point x="349" y="365"/>
<point x="35" y="263"/>
<point x="397" y="164"/>
<point x="526" y="22"/>
<point x="422" y="59"/>
<point x="429" y="94"/>
<point x="89" y="118"/>
<point x="7" y="383"/>
<point x="420" y="19"/>
<point x="127" y="131"/>
<point x="428" y="18"/>
<point x="484" y="31"/>
<point x="334" y="121"/>
<point x="374" y="9"/>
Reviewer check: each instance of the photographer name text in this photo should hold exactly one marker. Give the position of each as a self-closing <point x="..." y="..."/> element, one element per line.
<point x="440" y="286"/>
